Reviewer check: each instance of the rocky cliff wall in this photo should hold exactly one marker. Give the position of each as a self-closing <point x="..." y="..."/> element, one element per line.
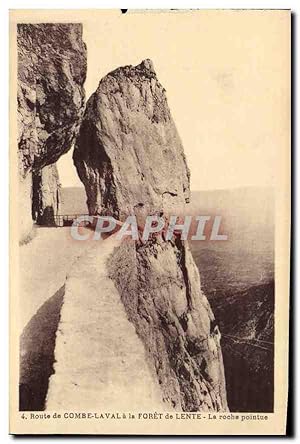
<point x="51" y="74"/>
<point x="160" y="288"/>
<point x="130" y="158"/>
<point x="128" y="153"/>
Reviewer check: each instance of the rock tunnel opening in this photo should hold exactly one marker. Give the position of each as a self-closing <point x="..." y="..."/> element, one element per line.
<point x="53" y="194"/>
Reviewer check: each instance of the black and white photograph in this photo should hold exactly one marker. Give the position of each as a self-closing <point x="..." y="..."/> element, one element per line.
<point x="150" y="175"/>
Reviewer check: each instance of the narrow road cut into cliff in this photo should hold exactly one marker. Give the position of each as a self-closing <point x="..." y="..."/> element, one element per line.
<point x="100" y="360"/>
<point x="44" y="264"/>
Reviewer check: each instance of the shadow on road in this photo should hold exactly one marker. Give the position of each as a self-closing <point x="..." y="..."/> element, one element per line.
<point x="37" y="345"/>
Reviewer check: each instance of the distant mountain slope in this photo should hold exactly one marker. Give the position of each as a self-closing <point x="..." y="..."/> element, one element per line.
<point x="238" y="278"/>
<point x="246" y="320"/>
<point x="225" y="269"/>
<point x="247" y="314"/>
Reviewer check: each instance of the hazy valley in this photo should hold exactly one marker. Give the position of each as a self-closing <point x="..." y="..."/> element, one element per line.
<point x="237" y="276"/>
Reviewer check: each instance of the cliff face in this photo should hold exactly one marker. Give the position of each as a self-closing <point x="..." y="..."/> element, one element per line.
<point x="128" y="153"/>
<point x="160" y="288"/>
<point x="51" y="73"/>
<point x="131" y="161"/>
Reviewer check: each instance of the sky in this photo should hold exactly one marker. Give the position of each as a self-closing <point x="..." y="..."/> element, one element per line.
<point x="226" y="75"/>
